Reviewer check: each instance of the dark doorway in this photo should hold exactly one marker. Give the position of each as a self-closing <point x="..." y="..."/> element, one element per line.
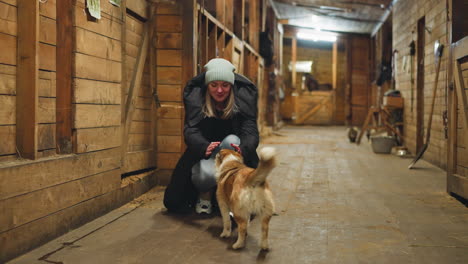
<point x="420" y="85"/>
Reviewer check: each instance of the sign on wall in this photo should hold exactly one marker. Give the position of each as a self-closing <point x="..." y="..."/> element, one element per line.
<point x="94" y="8"/>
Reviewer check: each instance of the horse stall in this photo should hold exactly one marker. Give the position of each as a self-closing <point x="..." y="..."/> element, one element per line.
<point x="316" y="77"/>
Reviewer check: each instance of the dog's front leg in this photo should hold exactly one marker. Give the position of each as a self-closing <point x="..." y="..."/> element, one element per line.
<point x="224" y="209"/>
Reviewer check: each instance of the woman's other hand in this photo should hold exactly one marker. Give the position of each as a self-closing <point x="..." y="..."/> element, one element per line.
<point x="211" y="147"/>
<point x="237" y="148"/>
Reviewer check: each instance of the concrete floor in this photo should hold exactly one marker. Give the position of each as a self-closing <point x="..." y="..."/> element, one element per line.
<point x="336" y="203"/>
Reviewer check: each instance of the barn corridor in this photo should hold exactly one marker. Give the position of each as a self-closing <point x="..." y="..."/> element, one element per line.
<point x="336" y="203"/>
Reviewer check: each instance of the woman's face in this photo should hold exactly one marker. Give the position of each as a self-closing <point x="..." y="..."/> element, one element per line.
<point x="219" y="90"/>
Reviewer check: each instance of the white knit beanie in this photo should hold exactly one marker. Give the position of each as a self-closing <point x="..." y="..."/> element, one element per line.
<point x="219" y="70"/>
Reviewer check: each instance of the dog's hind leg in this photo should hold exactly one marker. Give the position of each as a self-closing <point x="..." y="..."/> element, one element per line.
<point x="242" y="232"/>
<point x="265" y="227"/>
<point x="224" y="209"/>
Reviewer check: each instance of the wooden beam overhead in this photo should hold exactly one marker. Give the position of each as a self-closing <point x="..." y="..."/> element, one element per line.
<point x="27" y="79"/>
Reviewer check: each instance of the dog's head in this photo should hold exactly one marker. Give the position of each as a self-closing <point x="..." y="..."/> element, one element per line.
<point x="227" y="155"/>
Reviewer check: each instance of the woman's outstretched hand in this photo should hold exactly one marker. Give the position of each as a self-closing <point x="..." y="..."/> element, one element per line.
<point x="211" y="147"/>
<point x="237" y="148"/>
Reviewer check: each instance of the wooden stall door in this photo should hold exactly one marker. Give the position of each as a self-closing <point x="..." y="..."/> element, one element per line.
<point x="140" y="151"/>
<point x="359" y="48"/>
<point x="457" y="178"/>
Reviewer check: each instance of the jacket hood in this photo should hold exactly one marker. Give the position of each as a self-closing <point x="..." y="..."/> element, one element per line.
<point x="245" y="95"/>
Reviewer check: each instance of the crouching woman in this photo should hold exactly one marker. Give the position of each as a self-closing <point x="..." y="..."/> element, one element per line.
<point x="220" y="112"/>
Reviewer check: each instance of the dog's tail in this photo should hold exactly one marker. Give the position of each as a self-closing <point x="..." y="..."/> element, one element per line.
<point x="267" y="162"/>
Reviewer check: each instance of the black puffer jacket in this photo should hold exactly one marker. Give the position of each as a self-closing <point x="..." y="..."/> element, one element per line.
<point x="180" y="193"/>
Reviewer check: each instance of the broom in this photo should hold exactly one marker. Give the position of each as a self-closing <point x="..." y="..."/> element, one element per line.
<point x="438" y="49"/>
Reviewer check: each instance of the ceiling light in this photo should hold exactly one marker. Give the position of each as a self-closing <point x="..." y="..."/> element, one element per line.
<point x="316" y="35"/>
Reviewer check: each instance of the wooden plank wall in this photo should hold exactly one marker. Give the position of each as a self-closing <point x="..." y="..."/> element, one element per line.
<point x="97" y="72"/>
<point x="42" y="199"/>
<point x="8" y="42"/>
<point x="168" y="42"/>
<point x="46" y="90"/>
<point x="47" y="77"/>
<point x="140" y="146"/>
<point x="405" y="19"/>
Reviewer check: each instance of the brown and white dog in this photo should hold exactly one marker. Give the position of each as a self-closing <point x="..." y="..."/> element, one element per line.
<point x="244" y="191"/>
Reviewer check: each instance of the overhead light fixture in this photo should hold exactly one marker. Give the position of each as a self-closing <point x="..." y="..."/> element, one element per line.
<point x="316" y="35"/>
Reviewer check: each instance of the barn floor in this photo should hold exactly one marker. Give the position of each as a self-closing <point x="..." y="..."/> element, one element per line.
<point x="336" y="203"/>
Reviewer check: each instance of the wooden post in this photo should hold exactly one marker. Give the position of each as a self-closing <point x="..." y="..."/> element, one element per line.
<point x="189" y="42"/>
<point x="334" y="75"/>
<point x="212" y="42"/>
<point x="229" y="14"/>
<point x="294" y="93"/>
<point x="220" y="45"/>
<point x="220" y="11"/>
<point x="239" y="18"/>
<point x="253" y="23"/>
<point x="349" y="69"/>
<point x="123" y="82"/>
<point x="334" y="64"/>
<point x="27" y="79"/>
<point x="293" y="62"/>
<point x="65" y="41"/>
<point x="153" y="84"/>
<point x="264" y="16"/>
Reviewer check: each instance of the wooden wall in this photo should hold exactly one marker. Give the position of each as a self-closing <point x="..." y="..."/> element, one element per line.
<point x="46" y="90"/>
<point x="8" y="33"/>
<point x="169" y="61"/>
<point x="97" y="76"/>
<point x="405" y="18"/>
<point x="43" y="198"/>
